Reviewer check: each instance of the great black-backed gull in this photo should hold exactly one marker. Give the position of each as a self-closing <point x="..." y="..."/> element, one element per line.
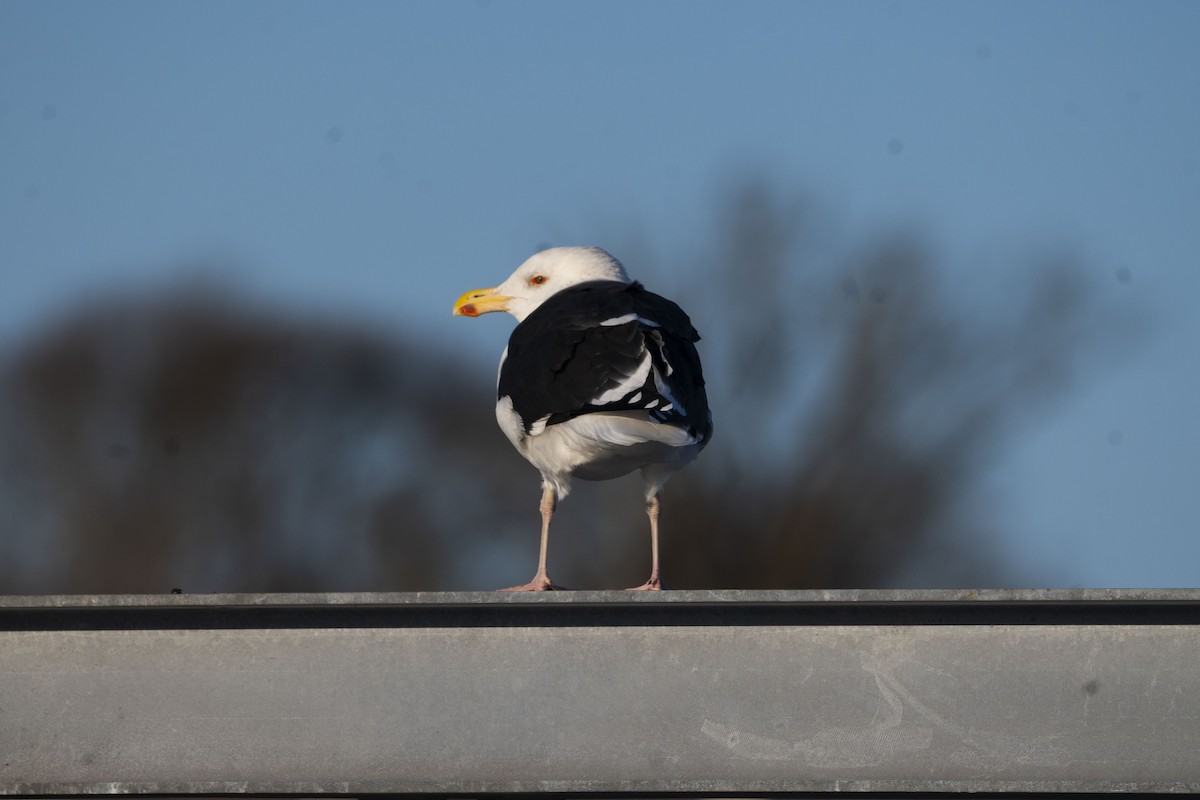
<point x="600" y="377"/>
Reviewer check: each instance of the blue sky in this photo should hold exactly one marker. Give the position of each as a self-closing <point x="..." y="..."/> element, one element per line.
<point x="376" y="159"/>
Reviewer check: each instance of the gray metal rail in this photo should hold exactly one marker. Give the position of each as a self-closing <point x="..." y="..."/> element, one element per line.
<point x="603" y="693"/>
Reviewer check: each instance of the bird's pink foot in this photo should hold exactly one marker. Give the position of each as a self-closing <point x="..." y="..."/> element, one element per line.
<point x="540" y="583"/>
<point x="652" y="585"/>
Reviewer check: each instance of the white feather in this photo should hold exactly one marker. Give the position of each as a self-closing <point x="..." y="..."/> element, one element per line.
<point x="610" y="323"/>
<point x="510" y="422"/>
<point x="499" y="369"/>
<point x="601" y="446"/>
<point x="538" y="425"/>
<point x="665" y="391"/>
<point x="631" y="383"/>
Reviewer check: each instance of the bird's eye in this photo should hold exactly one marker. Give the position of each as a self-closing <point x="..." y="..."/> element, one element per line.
<point x="538" y="280"/>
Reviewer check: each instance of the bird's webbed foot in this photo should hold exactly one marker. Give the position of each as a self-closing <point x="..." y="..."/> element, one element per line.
<point x="655" y="584"/>
<point x="540" y="583"/>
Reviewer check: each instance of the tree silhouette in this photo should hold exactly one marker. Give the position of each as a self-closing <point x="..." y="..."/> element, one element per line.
<point x="188" y="440"/>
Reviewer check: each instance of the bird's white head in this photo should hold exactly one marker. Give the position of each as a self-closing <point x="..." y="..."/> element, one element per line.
<point x="539" y="278"/>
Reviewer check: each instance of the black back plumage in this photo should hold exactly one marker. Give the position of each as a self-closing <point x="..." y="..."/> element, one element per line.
<point x="561" y="360"/>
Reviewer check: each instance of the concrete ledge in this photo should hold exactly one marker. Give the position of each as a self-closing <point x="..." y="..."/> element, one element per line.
<point x="724" y="692"/>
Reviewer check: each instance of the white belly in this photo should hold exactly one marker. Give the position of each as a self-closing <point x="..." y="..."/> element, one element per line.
<point x="598" y="447"/>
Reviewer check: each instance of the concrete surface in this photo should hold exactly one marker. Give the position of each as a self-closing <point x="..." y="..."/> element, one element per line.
<point x="727" y="692"/>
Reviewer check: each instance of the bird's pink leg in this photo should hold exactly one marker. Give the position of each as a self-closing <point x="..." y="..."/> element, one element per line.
<point x="655" y="583"/>
<point x="541" y="581"/>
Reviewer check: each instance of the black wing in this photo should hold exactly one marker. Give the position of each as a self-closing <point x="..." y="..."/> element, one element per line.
<point x="606" y="346"/>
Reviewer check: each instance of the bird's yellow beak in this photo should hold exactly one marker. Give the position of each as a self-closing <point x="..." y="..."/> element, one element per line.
<point x="480" y="301"/>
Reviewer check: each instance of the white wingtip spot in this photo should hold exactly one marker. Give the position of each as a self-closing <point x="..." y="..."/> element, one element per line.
<point x="621" y="320"/>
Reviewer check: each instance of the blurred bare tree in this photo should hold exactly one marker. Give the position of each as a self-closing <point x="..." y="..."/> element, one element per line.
<point x="185" y="441"/>
<point x="189" y="441"/>
<point x="863" y="403"/>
